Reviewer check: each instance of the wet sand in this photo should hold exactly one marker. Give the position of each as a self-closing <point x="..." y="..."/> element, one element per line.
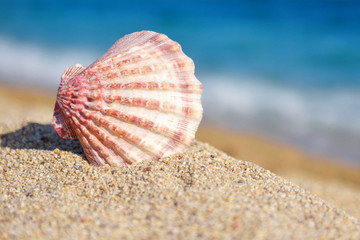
<point x="48" y="190"/>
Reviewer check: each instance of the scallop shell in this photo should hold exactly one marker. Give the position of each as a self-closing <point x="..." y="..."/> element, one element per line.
<point x="140" y="101"/>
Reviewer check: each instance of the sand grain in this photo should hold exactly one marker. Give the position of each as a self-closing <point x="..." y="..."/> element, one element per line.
<point x="49" y="191"/>
<point x="202" y="193"/>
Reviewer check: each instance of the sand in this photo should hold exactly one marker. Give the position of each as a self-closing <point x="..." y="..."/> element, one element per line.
<point x="280" y="158"/>
<point x="330" y="179"/>
<point x="49" y="191"/>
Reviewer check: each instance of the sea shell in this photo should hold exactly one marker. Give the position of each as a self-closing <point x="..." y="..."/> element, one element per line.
<point x="140" y="101"/>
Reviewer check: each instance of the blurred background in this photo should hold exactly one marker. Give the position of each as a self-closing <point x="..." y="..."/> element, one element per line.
<point x="287" y="70"/>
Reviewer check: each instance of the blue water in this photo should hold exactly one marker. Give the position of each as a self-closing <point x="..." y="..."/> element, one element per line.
<point x="287" y="69"/>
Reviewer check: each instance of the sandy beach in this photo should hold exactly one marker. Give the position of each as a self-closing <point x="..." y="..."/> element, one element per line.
<point x="252" y="189"/>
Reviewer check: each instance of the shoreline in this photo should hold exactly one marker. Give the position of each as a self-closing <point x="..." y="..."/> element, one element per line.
<point x="31" y="93"/>
<point x="294" y="159"/>
<point x="223" y="138"/>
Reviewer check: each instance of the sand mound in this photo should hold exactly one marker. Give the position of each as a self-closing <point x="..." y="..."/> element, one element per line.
<point x="49" y="191"/>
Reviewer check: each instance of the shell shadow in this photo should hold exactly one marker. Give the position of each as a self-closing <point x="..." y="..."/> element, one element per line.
<point x="41" y="137"/>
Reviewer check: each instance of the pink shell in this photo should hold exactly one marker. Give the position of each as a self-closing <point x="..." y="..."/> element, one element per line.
<point x="140" y="101"/>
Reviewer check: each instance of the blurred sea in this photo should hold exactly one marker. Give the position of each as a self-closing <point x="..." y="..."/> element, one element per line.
<point x="289" y="70"/>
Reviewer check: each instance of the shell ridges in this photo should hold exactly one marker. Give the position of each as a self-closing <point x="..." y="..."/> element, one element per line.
<point x="138" y="102"/>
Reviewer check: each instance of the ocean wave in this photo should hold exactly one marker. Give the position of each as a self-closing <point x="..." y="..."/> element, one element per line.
<point x="304" y="107"/>
<point x="323" y="121"/>
<point x="38" y="66"/>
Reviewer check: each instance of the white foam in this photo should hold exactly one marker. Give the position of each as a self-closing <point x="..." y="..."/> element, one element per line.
<point x="323" y="121"/>
<point x="252" y="97"/>
<point x="25" y="63"/>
